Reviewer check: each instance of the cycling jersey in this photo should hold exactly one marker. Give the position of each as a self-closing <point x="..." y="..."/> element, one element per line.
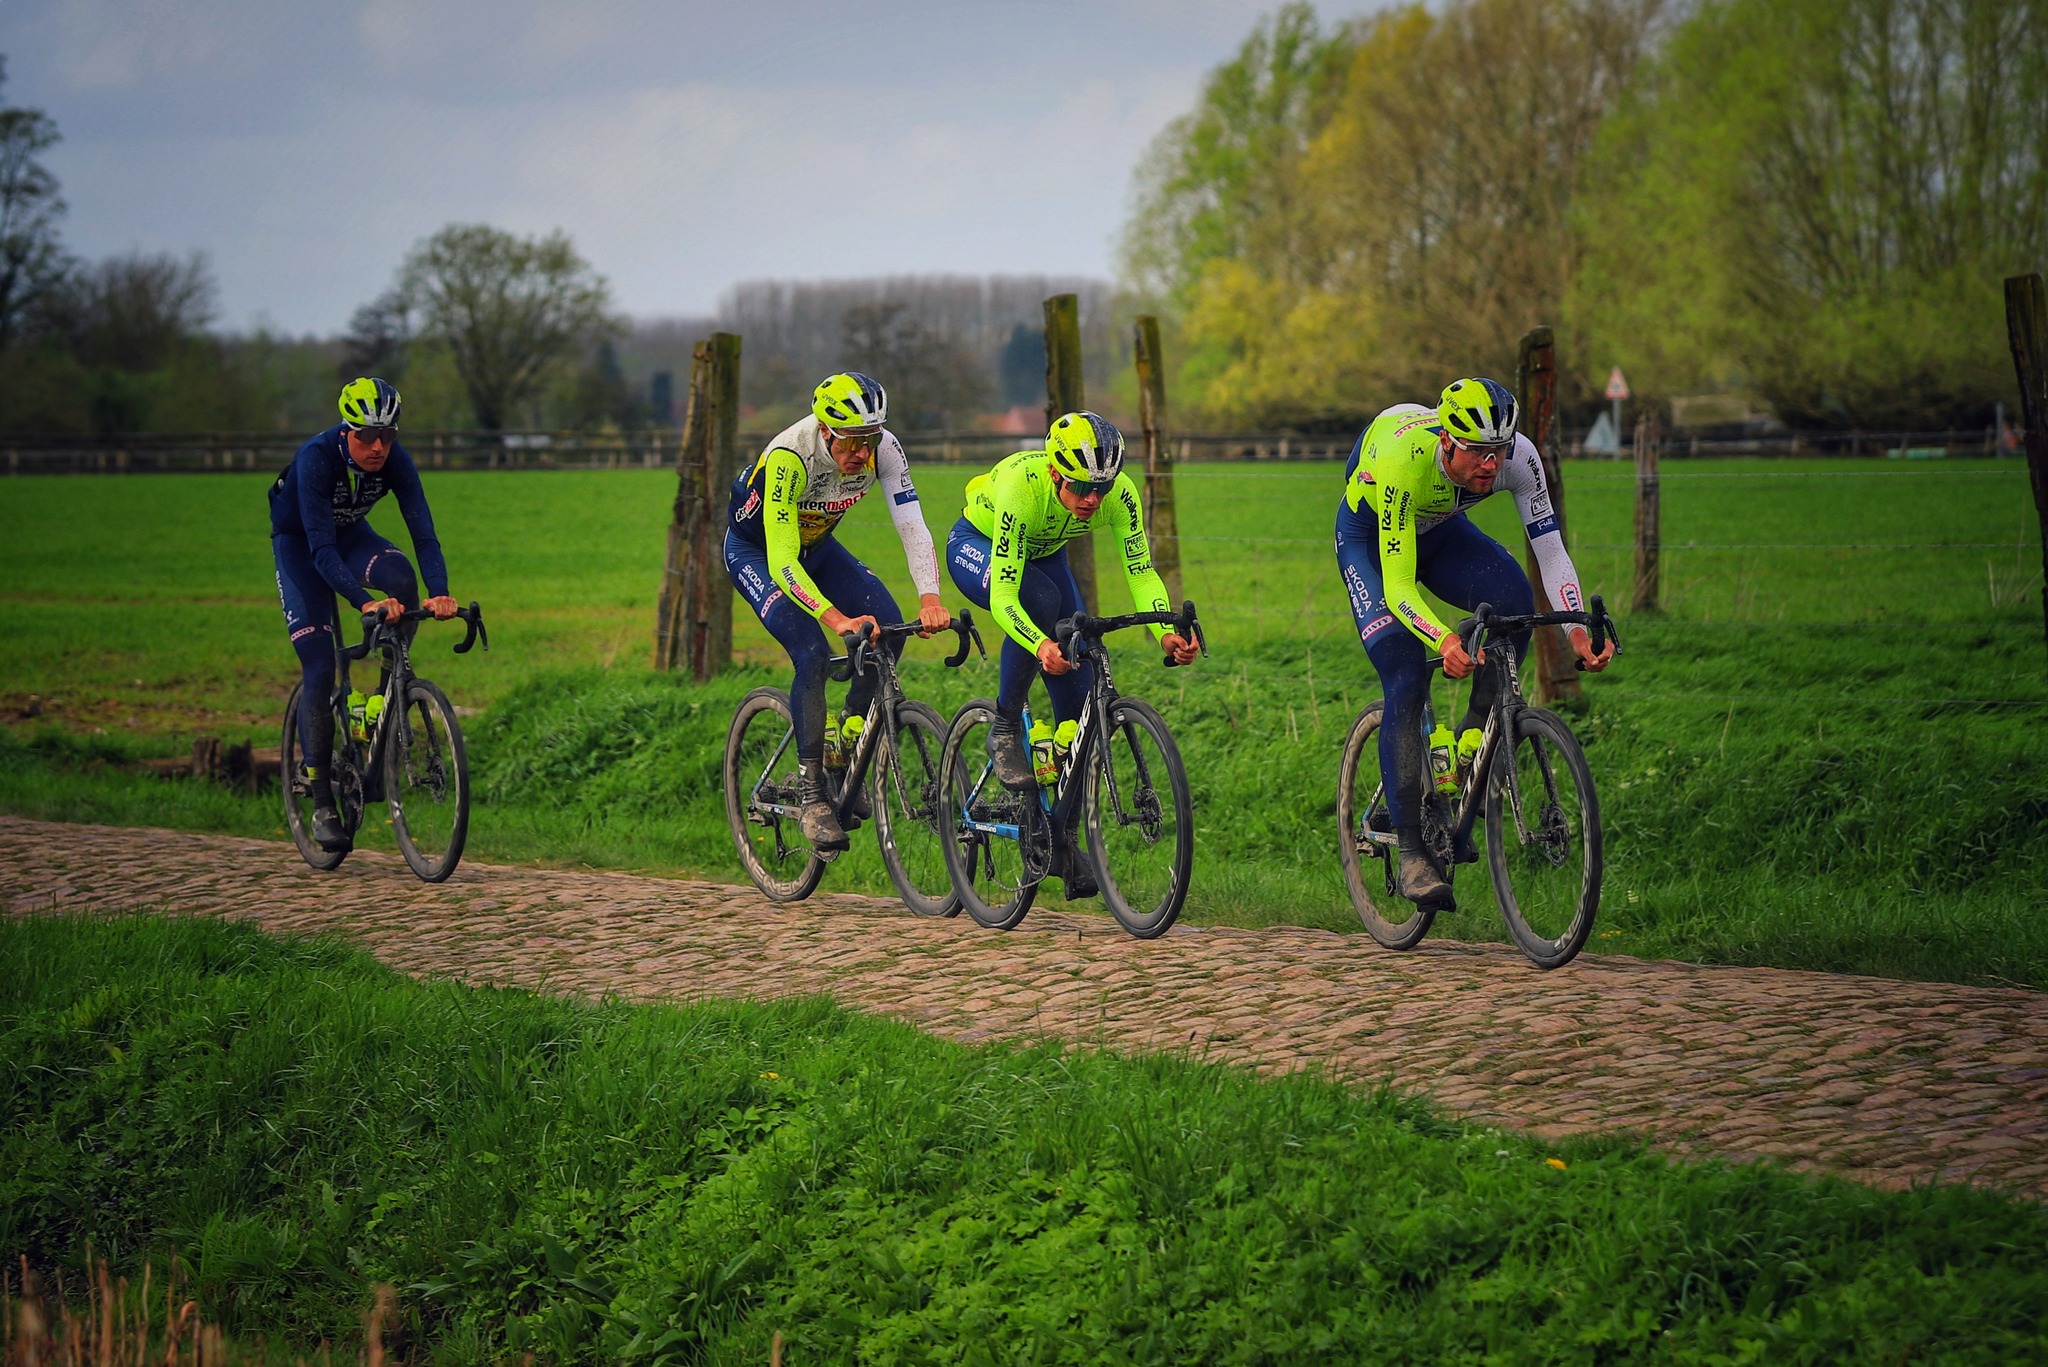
<point x="794" y="494"/>
<point x="323" y="493"/>
<point x="1396" y="488"/>
<point x="1017" y="507"/>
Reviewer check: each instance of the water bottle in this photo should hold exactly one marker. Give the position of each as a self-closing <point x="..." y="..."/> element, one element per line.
<point x="1063" y="742"/>
<point x="834" y="758"/>
<point x="1468" y="750"/>
<point x="358" y="724"/>
<point x="850" y="727"/>
<point x="373" y="708"/>
<point x="1043" y="765"/>
<point x="1441" y="768"/>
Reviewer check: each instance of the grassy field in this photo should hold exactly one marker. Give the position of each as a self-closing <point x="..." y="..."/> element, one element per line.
<point x="1825" y="752"/>
<point x="605" y="1182"/>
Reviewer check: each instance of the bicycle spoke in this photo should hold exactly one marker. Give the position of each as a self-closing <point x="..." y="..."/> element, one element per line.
<point x="1140" y="819"/>
<point x="1546" y="862"/>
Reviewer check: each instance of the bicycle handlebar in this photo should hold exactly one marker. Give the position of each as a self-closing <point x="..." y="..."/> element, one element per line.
<point x="472" y="616"/>
<point x="1070" y="632"/>
<point x="859" y="643"/>
<point x="1595" y="618"/>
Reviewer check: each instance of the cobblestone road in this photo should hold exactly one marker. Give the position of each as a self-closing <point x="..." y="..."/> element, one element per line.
<point x="1885" y="1082"/>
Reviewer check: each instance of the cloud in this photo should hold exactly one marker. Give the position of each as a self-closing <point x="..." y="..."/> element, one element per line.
<point x="684" y="147"/>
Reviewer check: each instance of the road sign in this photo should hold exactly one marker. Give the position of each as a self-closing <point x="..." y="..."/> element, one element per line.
<point x="1617" y="387"/>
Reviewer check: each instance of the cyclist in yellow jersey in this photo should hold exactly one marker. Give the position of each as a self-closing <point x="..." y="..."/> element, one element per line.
<point x="1008" y="553"/>
<point x="1401" y="525"/>
<point x="784" y="560"/>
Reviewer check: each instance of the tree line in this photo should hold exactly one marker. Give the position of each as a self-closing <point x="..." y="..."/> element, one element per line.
<point x="1811" y="201"/>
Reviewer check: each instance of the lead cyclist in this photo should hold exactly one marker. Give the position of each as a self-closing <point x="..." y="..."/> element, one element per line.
<point x="1401" y="523"/>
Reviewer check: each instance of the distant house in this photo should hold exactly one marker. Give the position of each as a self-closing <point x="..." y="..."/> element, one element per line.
<point x="1023" y="420"/>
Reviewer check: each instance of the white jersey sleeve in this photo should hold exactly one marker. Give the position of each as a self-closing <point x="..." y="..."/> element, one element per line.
<point x="1524" y="479"/>
<point x="893" y="470"/>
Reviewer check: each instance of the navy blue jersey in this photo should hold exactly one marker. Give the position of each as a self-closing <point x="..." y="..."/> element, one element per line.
<point x="323" y="492"/>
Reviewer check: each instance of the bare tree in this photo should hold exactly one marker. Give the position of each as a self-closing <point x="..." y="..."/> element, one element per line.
<point x="509" y="309"/>
<point x="31" y="261"/>
<point x="379" y="338"/>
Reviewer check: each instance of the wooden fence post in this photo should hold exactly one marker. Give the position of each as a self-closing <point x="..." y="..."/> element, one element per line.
<point x="693" y="622"/>
<point x="1162" y="521"/>
<point x="2026" y="327"/>
<point x="1649" y="527"/>
<point x="1063" y="394"/>
<point x="1536" y="391"/>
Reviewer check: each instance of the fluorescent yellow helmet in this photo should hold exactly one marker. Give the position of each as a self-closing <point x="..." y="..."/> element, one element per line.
<point x="1478" y="412"/>
<point x="850" y="402"/>
<point x="369" y="402"/>
<point x="1086" y="446"/>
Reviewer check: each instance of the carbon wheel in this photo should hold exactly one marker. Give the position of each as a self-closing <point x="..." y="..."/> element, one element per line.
<point x="907" y="797"/>
<point x="760" y="798"/>
<point x="1365" y="840"/>
<point x="1000" y="847"/>
<point x="298" y="792"/>
<point x="1543" y="838"/>
<point x="1140" y="819"/>
<point x="426" y="781"/>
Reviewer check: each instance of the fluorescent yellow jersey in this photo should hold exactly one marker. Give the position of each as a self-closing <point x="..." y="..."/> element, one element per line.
<point x="1396" y="489"/>
<point x="1017" y="508"/>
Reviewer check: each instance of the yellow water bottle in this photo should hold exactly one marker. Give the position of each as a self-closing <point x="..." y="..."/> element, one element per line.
<point x="1043" y="765"/>
<point x="834" y="759"/>
<point x="358" y="725"/>
<point x="1441" y="745"/>
<point x="1063" y="743"/>
<point x="373" y="708"/>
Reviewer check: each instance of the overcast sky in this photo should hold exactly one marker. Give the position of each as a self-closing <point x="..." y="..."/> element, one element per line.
<point x="685" y="146"/>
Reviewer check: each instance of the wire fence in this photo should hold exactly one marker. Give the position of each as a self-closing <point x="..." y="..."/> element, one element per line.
<point x="653" y="448"/>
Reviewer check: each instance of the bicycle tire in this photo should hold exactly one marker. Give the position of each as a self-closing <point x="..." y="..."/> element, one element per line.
<point x="1546" y="884"/>
<point x="991" y="875"/>
<point x="426" y="781"/>
<point x="907" y="798"/>
<point x="1122" y="775"/>
<point x="297" y="796"/>
<point x="1389" y="918"/>
<point x="760" y="756"/>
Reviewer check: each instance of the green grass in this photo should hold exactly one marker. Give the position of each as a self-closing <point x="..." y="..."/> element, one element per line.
<point x="642" y="1183"/>
<point x="1826" y="752"/>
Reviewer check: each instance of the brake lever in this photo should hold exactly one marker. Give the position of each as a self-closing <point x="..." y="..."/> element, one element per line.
<point x="476" y="635"/>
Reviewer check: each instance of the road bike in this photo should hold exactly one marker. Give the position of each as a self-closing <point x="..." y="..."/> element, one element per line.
<point x="1531" y="782"/>
<point x="410" y="757"/>
<point x="892" y="771"/>
<point x="1123" y="784"/>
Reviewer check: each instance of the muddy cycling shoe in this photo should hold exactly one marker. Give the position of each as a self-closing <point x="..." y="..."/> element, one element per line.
<point x="1078" y="874"/>
<point x="1006" y="748"/>
<point x="815" y="815"/>
<point x="327" y="831"/>
<point x="1420" y="882"/>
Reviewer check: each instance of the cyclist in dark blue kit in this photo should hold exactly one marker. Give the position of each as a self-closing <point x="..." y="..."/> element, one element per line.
<point x="324" y="545"/>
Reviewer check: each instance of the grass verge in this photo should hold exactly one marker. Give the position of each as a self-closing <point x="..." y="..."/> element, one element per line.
<point x="654" y="1184"/>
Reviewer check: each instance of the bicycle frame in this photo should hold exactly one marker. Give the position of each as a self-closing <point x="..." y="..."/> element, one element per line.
<point x="861" y="655"/>
<point x="1080" y="637"/>
<point x="1489" y="627"/>
<point x="381" y="635"/>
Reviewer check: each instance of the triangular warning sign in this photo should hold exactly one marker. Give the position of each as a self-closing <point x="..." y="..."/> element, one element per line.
<point x="1617" y="387"/>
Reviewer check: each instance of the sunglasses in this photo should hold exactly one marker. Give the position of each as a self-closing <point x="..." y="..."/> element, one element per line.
<point x="375" y="436"/>
<point x="1499" y="451"/>
<point x="1084" y="487"/>
<point x="871" y="440"/>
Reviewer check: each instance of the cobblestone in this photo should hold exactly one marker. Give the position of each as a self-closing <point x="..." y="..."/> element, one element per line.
<point x="1909" y="1082"/>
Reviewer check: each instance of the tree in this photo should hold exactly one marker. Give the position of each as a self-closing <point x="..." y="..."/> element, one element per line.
<point x="379" y="338"/>
<point x="510" y="310"/>
<point x="1818" y="201"/>
<point x="1351" y="220"/>
<point x="31" y="260"/>
<point x="931" y="378"/>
